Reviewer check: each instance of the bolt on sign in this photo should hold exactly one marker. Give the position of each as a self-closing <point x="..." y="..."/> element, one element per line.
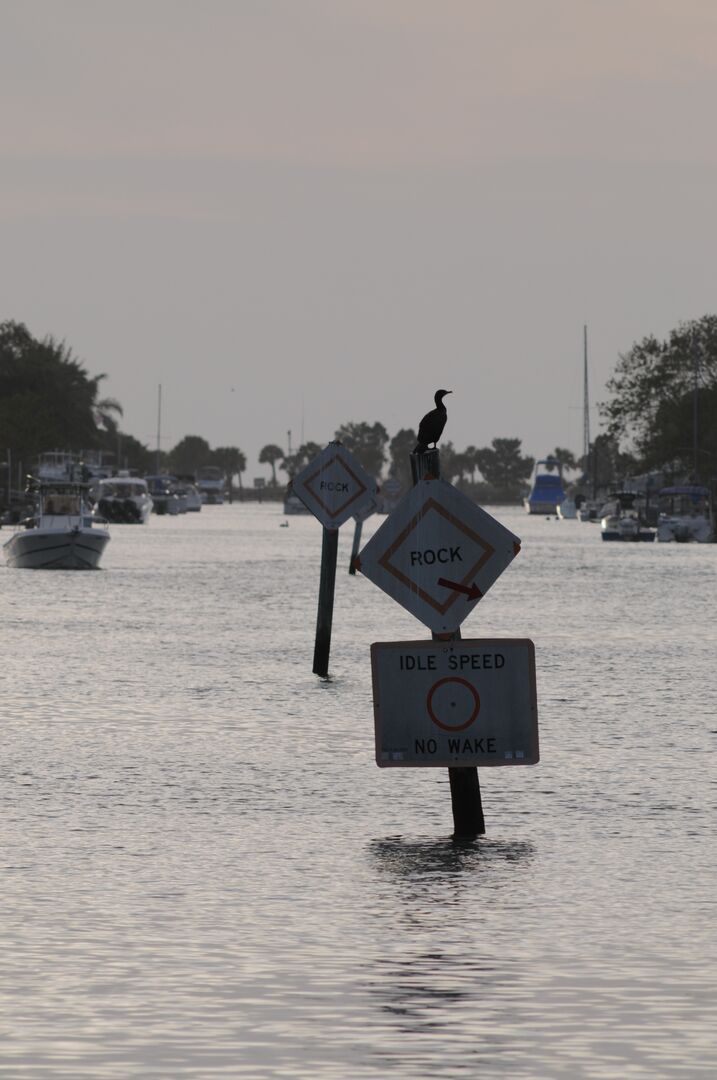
<point x="334" y="486"/>
<point x="437" y="554"/>
<point x="455" y="703"/>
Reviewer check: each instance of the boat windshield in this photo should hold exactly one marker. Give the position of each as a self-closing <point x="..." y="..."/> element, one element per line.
<point x="60" y="503"/>
<point x="122" y="489"/>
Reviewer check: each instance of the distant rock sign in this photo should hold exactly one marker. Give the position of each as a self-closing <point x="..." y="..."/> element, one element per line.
<point x="334" y="486"/>
<point x="437" y="554"/>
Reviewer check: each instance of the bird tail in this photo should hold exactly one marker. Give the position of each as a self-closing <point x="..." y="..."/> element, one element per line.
<point x="420" y="448"/>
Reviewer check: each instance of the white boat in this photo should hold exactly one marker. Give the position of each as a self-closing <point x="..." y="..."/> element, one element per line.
<point x="294" y="505"/>
<point x="189" y="492"/>
<point x="179" y="492"/>
<point x="587" y="509"/>
<point x="567" y="510"/>
<point x="122" y="498"/>
<point x="546" y="493"/>
<point x="685" y="515"/>
<point x="65" y="465"/>
<point x="164" y="497"/>
<point x="622" y="519"/>
<point x="211" y="482"/>
<point x="61" y="534"/>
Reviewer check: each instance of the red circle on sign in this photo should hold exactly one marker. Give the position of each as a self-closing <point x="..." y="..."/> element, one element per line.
<point x="453" y="727"/>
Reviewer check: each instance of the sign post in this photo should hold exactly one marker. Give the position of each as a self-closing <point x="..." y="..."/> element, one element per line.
<point x="466" y="802"/>
<point x="333" y="487"/>
<point x="360" y="516"/>
<point x="437" y="554"/>
<point x="325" y="613"/>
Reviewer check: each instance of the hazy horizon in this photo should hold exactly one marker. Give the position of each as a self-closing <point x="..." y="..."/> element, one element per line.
<point x="320" y="211"/>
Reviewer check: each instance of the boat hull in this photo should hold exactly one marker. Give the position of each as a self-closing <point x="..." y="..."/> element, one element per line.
<point x="685" y="530"/>
<point x="294" y="505"/>
<point x="541" y="506"/>
<point x="643" y="536"/>
<point x="40" y="549"/>
<point x="125" y="511"/>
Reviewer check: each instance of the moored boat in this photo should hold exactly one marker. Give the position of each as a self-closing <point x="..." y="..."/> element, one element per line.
<point x="61" y="534"/>
<point x="622" y="519"/>
<point x="546" y="493"/>
<point x="685" y="515"/>
<point x="567" y="509"/>
<point x="293" y="504"/>
<point x="211" y="482"/>
<point x="164" y="498"/>
<point x="122" y="499"/>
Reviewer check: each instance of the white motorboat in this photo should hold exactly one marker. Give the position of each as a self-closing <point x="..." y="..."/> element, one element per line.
<point x="164" y="497"/>
<point x="567" y="509"/>
<point x="189" y="492"/>
<point x="61" y="535"/>
<point x="685" y="515"/>
<point x="180" y="494"/>
<point x="65" y="465"/>
<point x="546" y="493"/>
<point x="622" y="519"/>
<point x="587" y="509"/>
<point x="123" y="498"/>
<point x="211" y="482"/>
<point x="293" y="504"/>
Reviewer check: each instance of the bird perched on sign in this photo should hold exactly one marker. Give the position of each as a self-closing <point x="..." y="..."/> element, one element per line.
<point x="431" y="426"/>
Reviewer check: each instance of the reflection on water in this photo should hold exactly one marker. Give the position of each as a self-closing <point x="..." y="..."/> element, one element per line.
<point x="417" y="858"/>
<point x="205" y="875"/>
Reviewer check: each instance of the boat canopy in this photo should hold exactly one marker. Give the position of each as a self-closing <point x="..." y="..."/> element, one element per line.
<point x="696" y="491"/>
<point x="123" y="485"/>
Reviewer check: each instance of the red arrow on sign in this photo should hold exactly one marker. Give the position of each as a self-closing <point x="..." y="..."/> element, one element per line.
<point x="471" y="591"/>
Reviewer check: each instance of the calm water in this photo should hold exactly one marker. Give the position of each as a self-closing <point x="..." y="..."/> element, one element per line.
<point x="205" y="875"/>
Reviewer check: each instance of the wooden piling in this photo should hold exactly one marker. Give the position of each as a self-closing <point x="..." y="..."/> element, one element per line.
<point x="355" y="546"/>
<point x="466" y="803"/>
<point x="324" y="618"/>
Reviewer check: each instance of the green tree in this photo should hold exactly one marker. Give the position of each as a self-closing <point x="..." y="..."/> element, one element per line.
<point x="684" y="438"/>
<point x="399" y="451"/>
<point x="609" y="466"/>
<point x="106" y="412"/>
<point x="367" y="442"/>
<point x="132" y="454"/>
<point x="653" y="387"/>
<point x="565" y="457"/>
<point x="293" y="463"/>
<point x="189" y="454"/>
<point x="269" y="455"/>
<point x="453" y="464"/>
<point x="47" y="399"/>
<point x="231" y="459"/>
<point x="504" y="467"/>
<point x="471" y="456"/>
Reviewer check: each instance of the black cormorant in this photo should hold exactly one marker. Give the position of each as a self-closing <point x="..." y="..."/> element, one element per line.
<point x="431" y="427"/>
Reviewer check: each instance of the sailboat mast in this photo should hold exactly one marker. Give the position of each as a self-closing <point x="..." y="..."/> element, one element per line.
<point x="159" y="423"/>
<point x="695" y="411"/>
<point x="586" y="399"/>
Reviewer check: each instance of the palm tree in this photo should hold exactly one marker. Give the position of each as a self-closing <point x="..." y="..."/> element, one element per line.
<point x="269" y="455"/>
<point x="106" y="410"/>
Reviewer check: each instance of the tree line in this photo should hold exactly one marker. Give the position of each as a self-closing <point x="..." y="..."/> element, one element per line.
<point x="661" y="414"/>
<point x="496" y="472"/>
<point x="48" y="401"/>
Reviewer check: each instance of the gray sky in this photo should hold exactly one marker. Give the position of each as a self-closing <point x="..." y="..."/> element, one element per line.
<point x="353" y="202"/>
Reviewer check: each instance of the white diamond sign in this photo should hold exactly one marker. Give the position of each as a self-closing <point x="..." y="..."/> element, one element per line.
<point x="437" y="554"/>
<point x="334" y="486"/>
